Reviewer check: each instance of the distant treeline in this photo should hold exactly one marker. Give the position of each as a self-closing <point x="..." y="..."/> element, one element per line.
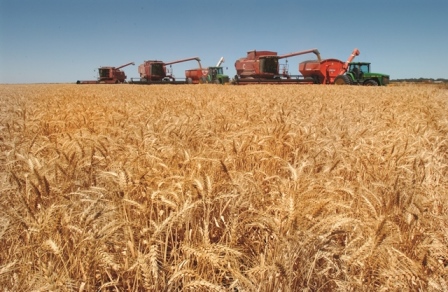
<point x="421" y="80"/>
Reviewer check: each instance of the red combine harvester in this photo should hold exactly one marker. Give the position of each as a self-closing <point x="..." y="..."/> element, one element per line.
<point x="155" y="72"/>
<point x="325" y="71"/>
<point x="108" y="75"/>
<point x="263" y="67"/>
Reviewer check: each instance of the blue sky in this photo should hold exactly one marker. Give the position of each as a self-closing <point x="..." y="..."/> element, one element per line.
<point x="64" y="41"/>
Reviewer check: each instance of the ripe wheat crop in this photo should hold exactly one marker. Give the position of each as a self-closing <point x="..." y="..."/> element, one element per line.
<point x="223" y="188"/>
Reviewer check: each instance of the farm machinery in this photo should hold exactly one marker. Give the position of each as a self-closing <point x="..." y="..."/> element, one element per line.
<point x="156" y="72"/>
<point x="258" y="67"/>
<point x="359" y="74"/>
<point x="263" y="67"/>
<point x="108" y="75"/>
<point x="210" y="75"/>
<point x="334" y="71"/>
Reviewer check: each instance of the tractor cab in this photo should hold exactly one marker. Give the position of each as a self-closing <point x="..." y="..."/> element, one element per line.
<point x="358" y="69"/>
<point x="214" y="71"/>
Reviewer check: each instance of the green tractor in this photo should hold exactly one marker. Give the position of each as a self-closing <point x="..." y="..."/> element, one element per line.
<point x="216" y="74"/>
<point x="359" y="73"/>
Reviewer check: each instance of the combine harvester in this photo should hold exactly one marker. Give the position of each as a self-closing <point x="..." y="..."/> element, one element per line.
<point x="210" y="75"/>
<point x="262" y="67"/>
<point x="334" y="71"/>
<point x="155" y="72"/>
<point x="108" y="75"/>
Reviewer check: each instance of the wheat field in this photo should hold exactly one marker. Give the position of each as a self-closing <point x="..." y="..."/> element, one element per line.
<point x="223" y="188"/>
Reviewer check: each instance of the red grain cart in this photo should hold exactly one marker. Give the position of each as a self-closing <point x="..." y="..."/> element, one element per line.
<point x="325" y="71"/>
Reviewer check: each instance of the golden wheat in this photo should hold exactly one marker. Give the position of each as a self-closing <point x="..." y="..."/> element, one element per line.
<point x="223" y="188"/>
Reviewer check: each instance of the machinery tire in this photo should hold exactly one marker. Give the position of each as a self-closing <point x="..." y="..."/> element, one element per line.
<point x="310" y="80"/>
<point x="342" y="80"/>
<point x="370" y="82"/>
<point x="189" y="80"/>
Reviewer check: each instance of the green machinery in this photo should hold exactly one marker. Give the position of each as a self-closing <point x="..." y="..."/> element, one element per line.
<point x="216" y="74"/>
<point x="359" y="73"/>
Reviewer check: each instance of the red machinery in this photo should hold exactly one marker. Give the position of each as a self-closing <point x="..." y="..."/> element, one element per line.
<point x="155" y="72"/>
<point x="263" y="67"/>
<point x="325" y="71"/>
<point x="197" y="75"/>
<point x="108" y="75"/>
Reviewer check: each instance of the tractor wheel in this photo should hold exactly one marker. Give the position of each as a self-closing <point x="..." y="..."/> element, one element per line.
<point x="342" y="80"/>
<point x="370" y="82"/>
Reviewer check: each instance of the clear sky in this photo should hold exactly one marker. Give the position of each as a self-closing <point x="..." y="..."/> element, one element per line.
<point x="64" y="41"/>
